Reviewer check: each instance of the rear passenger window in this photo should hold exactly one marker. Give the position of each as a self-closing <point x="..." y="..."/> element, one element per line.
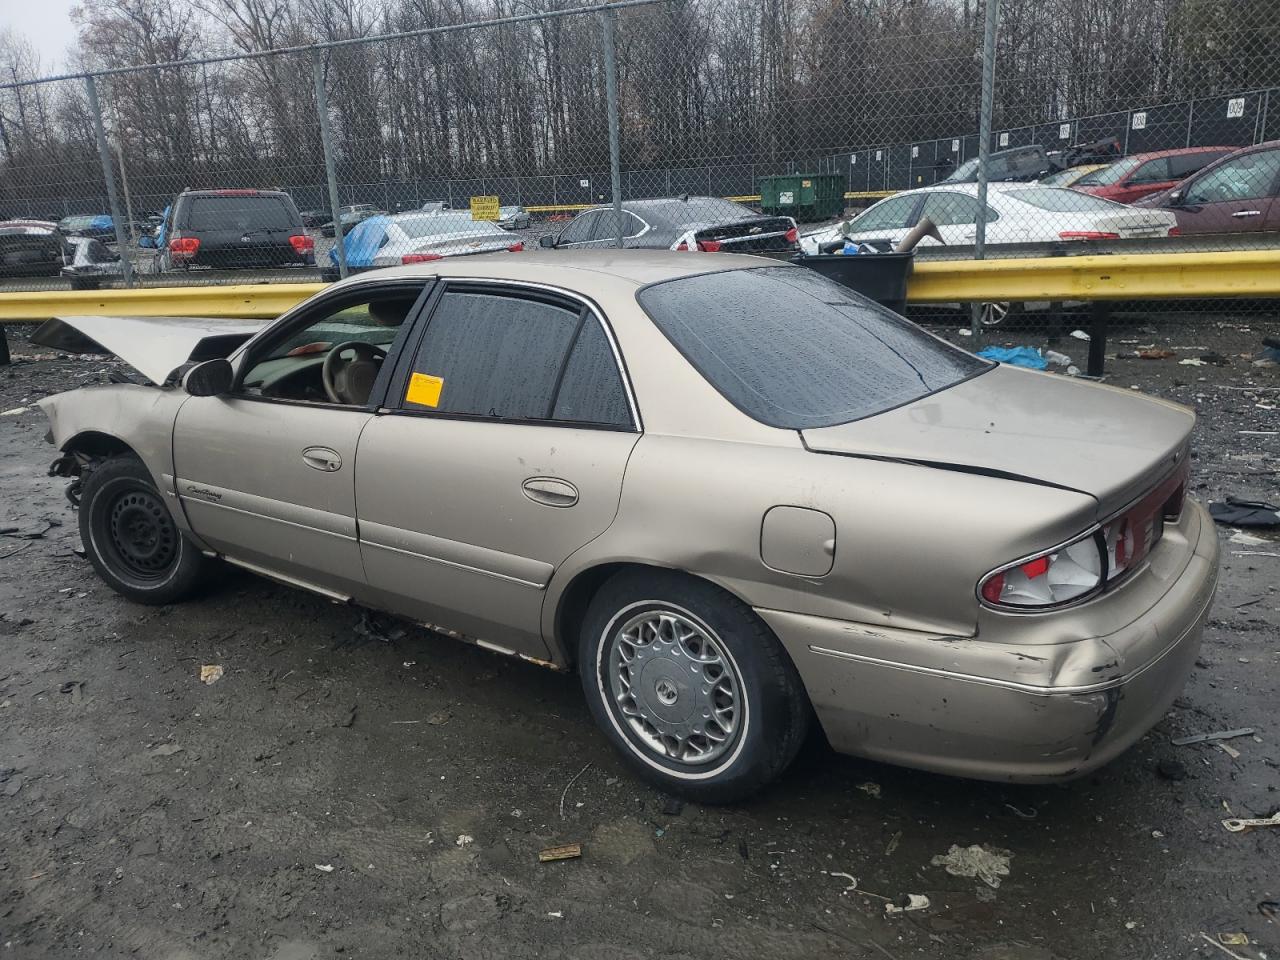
<point x="512" y="357"/>
<point x="1153" y="171"/>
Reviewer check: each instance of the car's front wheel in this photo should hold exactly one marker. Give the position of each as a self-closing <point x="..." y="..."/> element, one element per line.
<point x="130" y="537"/>
<point x="690" y="686"/>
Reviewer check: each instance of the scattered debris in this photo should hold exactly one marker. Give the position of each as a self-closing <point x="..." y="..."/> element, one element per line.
<point x="12" y="781"/>
<point x="1242" y="825"/>
<point x="1229" y="952"/>
<point x="853" y="881"/>
<point x="1028" y="357"/>
<point x="1270" y="909"/>
<point x="1171" y="769"/>
<point x="1216" y="735"/>
<point x="1245" y="513"/>
<point x="164" y="750"/>
<point x="1231" y="752"/>
<point x="1192" y="362"/>
<point x="672" y="807"/>
<point x="465" y="840"/>
<point x="911" y="902"/>
<point x="568" y="851"/>
<point x="1247" y="539"/>
<point x="75" y="688"/>
<point x="892" y="845"/>
<point x="350" y="718"/>
<point x="1023" y="814"/>
<point x="986" y="863"/>
<point x="872" y="790"/>
<point x="210" y="674"/>
<point x="1081" y="335"/>
<point x="325" y="867"/>
<point x="1234" y="939"/>
<point x="439" y="718"/>
<point x="1155" y="354"/>
<point x="14" y="412"/>
<point x="555" y="914"/>
<point x="565" y="792"/>
<point x="1057" y="359"/>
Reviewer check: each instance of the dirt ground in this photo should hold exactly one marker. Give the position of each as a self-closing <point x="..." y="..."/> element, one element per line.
<point x="357" y="787"/>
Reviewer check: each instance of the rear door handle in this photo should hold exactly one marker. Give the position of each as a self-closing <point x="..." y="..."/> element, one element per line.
<point x="322" y="458"/>
<point x="550" y="491"/>
<point x="1247" y="213"/>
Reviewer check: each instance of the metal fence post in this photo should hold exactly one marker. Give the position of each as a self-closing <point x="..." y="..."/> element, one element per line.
<point x="330" y="166"/>
<point x="611" y="98"/>
<point x="984" y="138"/>
<point x="104" y="155"/>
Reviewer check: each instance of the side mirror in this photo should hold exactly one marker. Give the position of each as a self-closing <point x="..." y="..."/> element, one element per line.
<point x="147" y="241"/>
<point x="208" y="379"/>
<point x="1176" y="198"/>
<point x="547" y="241"/>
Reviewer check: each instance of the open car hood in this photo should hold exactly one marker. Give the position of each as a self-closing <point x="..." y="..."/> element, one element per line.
<point x="154" y="346"/>
<point x="1034" y="427"/>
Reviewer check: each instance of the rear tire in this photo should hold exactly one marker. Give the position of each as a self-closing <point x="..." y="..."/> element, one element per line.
<point x="690" y="686"/>
<point x="130" y="536"/>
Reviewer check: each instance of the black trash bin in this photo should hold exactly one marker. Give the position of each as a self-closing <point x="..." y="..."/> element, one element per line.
<point x="880" y="276"/>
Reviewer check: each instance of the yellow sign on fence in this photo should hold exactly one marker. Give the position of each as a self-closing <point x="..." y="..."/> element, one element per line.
<point x="484" y="208"/>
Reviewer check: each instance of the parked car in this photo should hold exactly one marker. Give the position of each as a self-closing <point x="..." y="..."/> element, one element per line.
<point x="32" y="248"/>
<point x="89" y="263"/>
<point x="1067" y="177"/>
<point x="350" y="217"/>
<point x="232" y="229"/>
<point x="389" y="241"/>
<point x="644" y="469"/>
<point x="513" y="218"/>
<point x="98" y="225"/>
<point x="1239" y="193"/>
<point x="1016" y="213"/>
<point x="1017" y="163"/>
<point x="706" y="224"/>
<point x="434" y="206"/>
<point x="314" y="218"/>
<point x="1136" y="176"/>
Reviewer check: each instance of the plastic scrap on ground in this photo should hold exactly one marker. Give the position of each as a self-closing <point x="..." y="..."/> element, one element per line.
<point x="986" y="863"/>
<point x="1028" y="357"/>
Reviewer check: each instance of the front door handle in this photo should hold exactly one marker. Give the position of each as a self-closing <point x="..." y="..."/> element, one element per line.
<point x="1247" y="213"/>
<point x="322" y="458"/>
<point x="550" y="491"/>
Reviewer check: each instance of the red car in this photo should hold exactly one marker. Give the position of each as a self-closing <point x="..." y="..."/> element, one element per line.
<point x="1238" y="194"/>
<point x="1142" y="174"/>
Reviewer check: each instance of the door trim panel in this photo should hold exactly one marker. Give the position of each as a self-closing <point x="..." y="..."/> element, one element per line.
<point x="265" y="508"/>
<point x="451" y="553"/>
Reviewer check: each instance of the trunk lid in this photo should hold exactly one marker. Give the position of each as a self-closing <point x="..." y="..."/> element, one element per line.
<point x="154" y="346"/>
<point x="1034" y="427"/>
<point x="1138" y="222"/>
<point x="748" y="236"/>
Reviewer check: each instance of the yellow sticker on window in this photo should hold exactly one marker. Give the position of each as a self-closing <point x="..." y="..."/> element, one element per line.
<point x="424" y="390"/>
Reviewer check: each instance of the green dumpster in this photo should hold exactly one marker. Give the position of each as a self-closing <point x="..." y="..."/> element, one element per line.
<point x="805" y="196"/>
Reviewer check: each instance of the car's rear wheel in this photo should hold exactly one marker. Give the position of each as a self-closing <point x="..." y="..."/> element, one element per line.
<point x="690" y="686"/>
<point x="130" y="537"/>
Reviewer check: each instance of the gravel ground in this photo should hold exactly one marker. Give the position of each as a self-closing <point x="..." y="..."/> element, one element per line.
<point x="357" y="787"/>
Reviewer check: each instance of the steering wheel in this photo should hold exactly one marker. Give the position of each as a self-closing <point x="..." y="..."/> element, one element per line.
<point x="351" y="381"/>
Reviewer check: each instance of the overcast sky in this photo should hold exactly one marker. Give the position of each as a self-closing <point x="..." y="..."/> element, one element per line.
<point x="47" y="23"/>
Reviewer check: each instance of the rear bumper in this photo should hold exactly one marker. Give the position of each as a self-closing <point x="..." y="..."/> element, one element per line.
<point x="1003" y="711"/>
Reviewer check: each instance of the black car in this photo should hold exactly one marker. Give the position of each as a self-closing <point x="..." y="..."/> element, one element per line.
<point x="680" y="223"/>
<point x="1015" y="164"/>
<point x="314" y="218"/>
<point x="32" y="248"/>
<point x="351" y="216"/>
<point x="233" y="229"/>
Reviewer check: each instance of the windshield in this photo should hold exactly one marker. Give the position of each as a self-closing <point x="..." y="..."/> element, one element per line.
<point x="1108" y="175"/>
<point x="964" y="173"/>
<point x="239" y="213"/>
<point x="436" y="224"/>
<point x="1062" y="200"/>
<point x="795" y="350"/>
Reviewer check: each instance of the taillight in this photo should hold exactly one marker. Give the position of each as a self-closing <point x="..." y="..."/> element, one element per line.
<point x="517" y="247"/>
<point x="1052" y="579"/>
<point x="301" y="243"/>
<point x="1174" y="232"/>
<point x="421" y="257"/>
<point x="682" y="245"/>
<point x="184" y="246"/>
<point x="1088" y="235"/>
<point x="709" y="246"/>
<point x="792" y="235"/>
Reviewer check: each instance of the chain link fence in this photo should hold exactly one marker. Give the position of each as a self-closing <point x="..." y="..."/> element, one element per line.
<point x="353" y="136"/>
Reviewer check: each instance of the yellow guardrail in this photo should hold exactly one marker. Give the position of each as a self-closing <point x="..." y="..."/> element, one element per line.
<point x="247" y="301"/>
<point x="1138" y="276"/>
<point x="1254" y="273"/>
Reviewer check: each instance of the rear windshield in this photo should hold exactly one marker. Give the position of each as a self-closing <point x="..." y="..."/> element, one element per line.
<point x="1062" y="200"/>
<point x="436" y="224"/>
<point x="1108" y="175"/>
<point x="794" y="350"/>
<point x="240" y="213"/>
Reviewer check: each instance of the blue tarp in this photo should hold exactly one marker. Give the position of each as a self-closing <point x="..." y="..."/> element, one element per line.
<point x="1017" y="356"/>
<point x="362" y="242"/>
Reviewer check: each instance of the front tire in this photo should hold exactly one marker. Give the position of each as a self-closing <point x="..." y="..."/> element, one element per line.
<point x="690" y="686"/>
<point x="130" y="537"/>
